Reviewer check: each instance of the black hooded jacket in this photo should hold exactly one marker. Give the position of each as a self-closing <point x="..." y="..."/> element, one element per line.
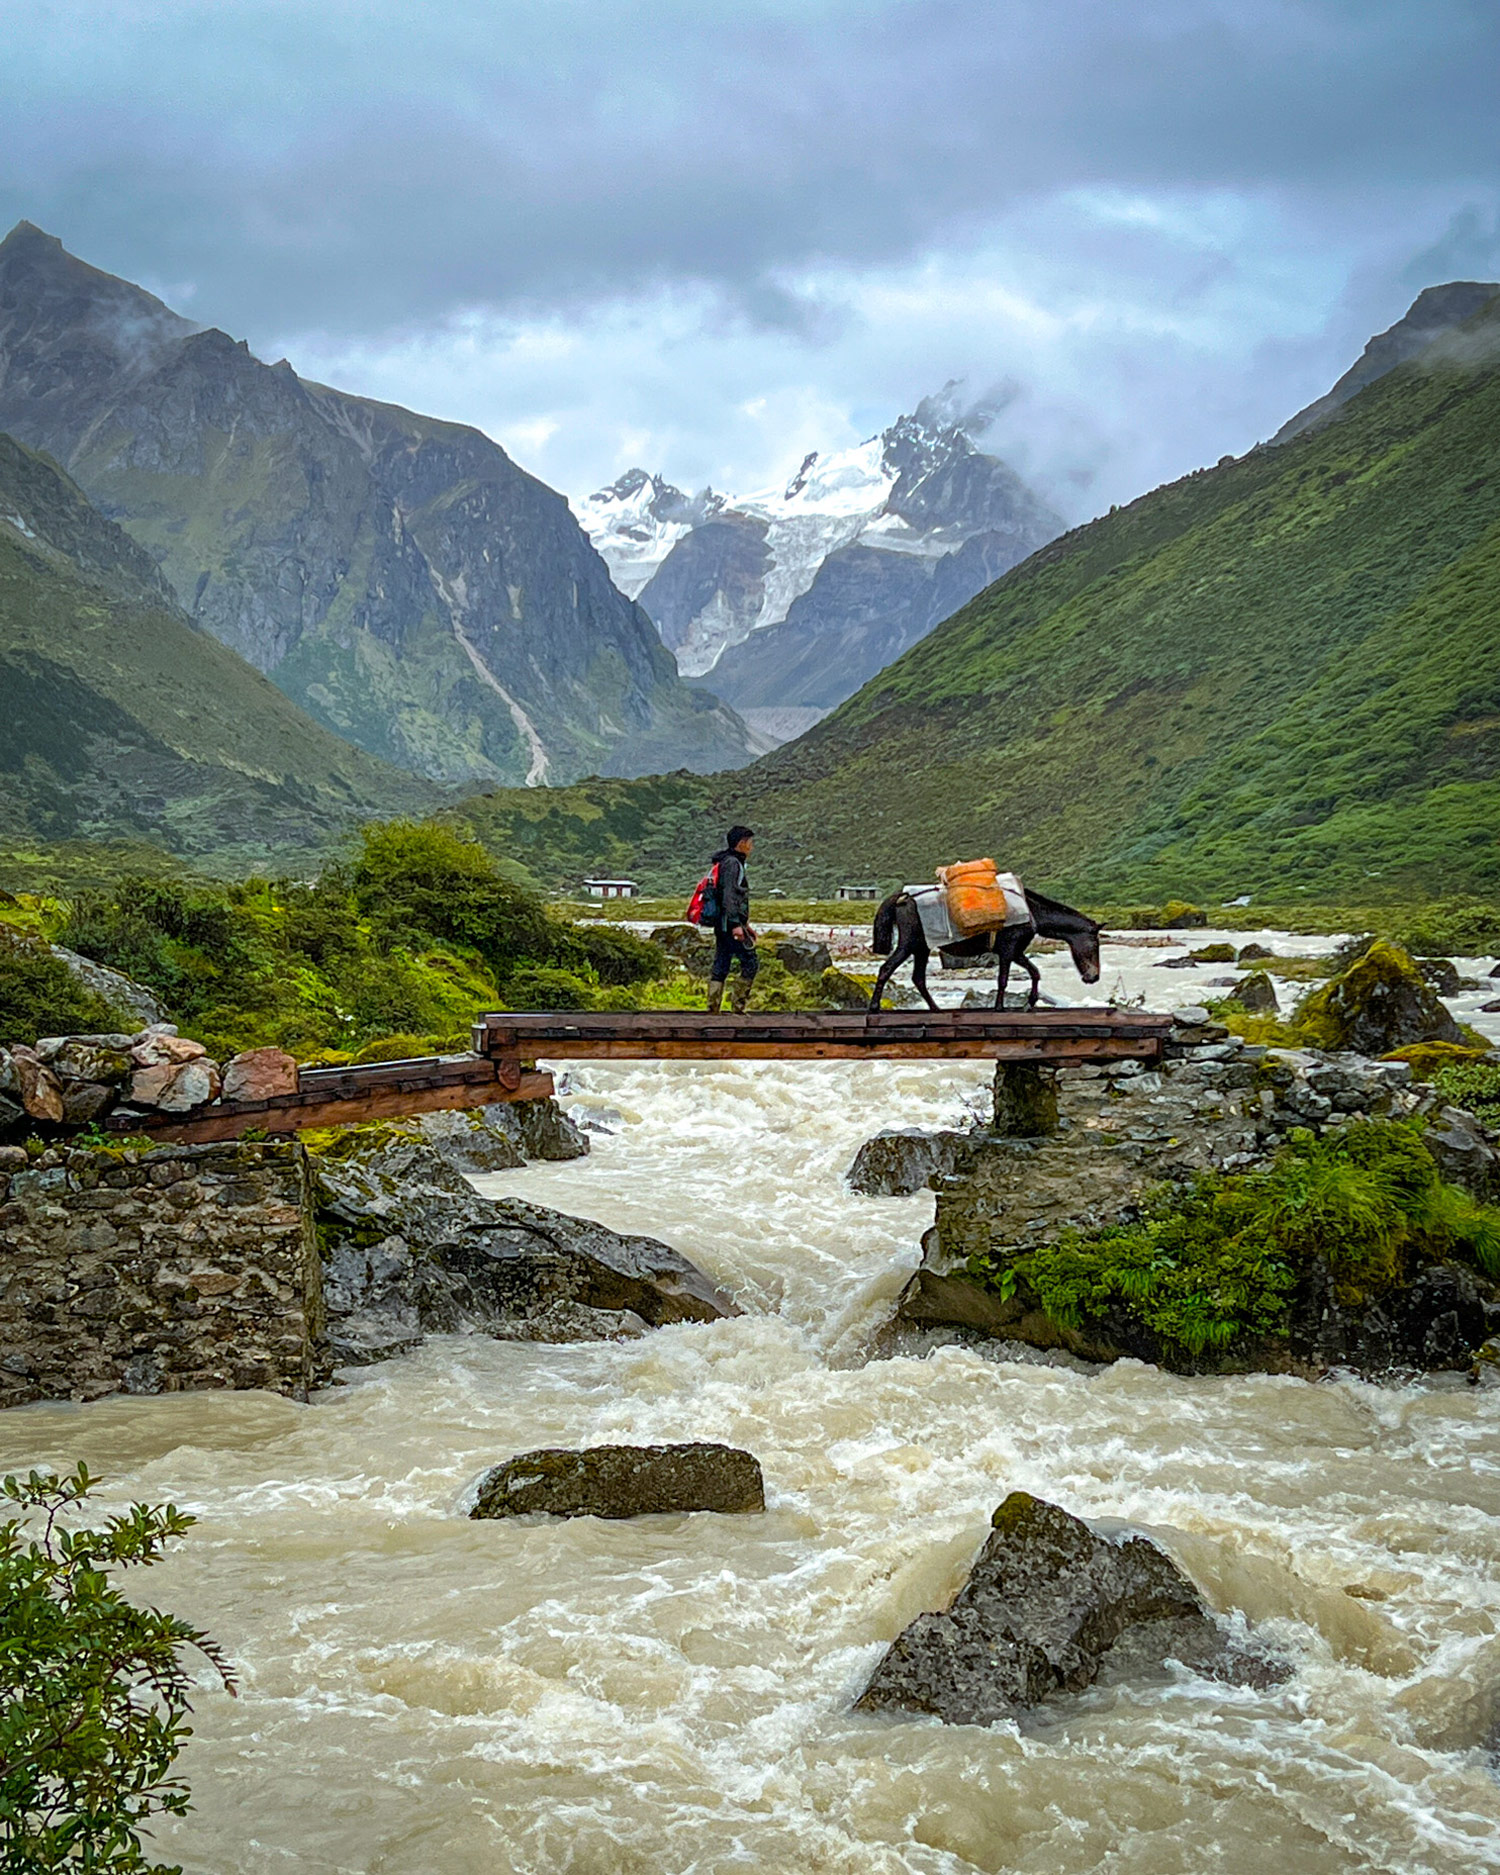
<point x="734" y="889"/>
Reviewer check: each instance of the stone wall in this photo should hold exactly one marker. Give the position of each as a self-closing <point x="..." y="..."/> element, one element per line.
<point x="157" y="1271"/>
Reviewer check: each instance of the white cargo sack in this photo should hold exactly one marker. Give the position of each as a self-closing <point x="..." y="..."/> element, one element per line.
<point x="932" y="909"/>
<point x="939" y="929"/>
<point x="1017" y="911"/>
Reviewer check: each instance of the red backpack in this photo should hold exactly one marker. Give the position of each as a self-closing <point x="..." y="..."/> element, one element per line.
<point x="703" y="906"/>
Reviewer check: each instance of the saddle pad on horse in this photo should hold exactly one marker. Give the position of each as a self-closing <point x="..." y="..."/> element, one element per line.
<point x="932" y="909"/>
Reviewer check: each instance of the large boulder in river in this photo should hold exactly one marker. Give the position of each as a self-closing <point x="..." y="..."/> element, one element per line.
<point x="1255" y="993"/>
<point x="905" y="1159"/>
<point x="1046" y="1605"/>
<point x="622" y="1481"/>
<point x="409" y="1247"/>
<point x="1380" y="1003"/>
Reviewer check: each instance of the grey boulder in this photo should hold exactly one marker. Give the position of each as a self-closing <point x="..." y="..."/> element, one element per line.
<point x="896" y="1163"/>
<point x="1047" y="1603"/>
<point x="622" y="1481"/>
<point x="501" y="1136"/>
<point x="804" y="957"/>
<point x="410" y="1247"/>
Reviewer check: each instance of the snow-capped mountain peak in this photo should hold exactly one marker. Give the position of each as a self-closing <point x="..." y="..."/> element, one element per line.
<point x="921" y="487"/>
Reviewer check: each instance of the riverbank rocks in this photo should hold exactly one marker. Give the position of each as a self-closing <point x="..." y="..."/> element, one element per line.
<point x="1048" y="1603"/>
<point x="501" y="1136"/>
<point x="409" y="1247"/>
<point x="804" y="957"/>
<point x="1381" y="1002"/>
<point x="1254" y="993"/>
<point x="623" y="1481"/>
<point x="259" y="1074"/>
<point x="687" y="944"/>
<point x="1218" y="1105"/>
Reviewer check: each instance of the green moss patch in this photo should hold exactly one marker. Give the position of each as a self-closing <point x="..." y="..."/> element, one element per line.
<point x="1215" y="1263"/>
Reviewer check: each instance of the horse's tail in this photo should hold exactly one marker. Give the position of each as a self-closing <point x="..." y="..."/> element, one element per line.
<point x="883" y="936"/>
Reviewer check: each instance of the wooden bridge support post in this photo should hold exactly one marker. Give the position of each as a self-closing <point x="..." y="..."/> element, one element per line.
<point x="1025" y="1100"/>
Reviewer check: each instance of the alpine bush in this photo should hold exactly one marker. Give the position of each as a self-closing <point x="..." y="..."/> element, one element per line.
<point x="94" y="1691"/>
<point x="1215" y="1261"/>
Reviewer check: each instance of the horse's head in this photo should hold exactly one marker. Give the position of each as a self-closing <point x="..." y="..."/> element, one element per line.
<point x="1084" y="944"/>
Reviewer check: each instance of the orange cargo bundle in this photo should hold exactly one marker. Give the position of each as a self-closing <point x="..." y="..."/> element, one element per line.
<point x="974" y="895"/>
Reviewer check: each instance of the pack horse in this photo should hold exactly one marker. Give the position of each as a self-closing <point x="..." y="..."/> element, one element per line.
<point x="899" y="934"/>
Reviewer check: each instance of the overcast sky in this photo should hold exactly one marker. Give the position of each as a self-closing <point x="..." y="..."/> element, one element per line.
<point x="711" y="237"/>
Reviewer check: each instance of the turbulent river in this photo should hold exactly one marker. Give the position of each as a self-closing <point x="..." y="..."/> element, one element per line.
<point x="423" y="1695"/>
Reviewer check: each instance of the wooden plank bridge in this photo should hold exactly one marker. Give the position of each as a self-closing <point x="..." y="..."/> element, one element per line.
<point x="506" y="1045"/>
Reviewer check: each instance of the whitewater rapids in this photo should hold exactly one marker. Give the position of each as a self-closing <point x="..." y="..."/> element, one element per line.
<point x="423" y="1695"/>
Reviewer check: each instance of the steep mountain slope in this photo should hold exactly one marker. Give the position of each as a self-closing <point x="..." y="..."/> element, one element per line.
<point x="120" y="720"/>
<point x="901" y="504"/>
<point x="1278" y="675"/>
<point x="399" y="577"/>
<point x="1435" y="311"/>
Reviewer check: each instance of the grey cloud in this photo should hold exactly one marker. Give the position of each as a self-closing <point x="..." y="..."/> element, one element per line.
<point x="357" y="170"/>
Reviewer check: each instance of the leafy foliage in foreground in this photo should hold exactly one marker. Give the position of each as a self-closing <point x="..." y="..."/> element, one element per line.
<point x="94" y="1691"/>
<point x="1216" y="1261"/>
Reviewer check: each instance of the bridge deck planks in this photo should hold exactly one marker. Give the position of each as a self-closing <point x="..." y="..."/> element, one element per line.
<point x="1055" y="1035"/>
<point x="505" y="1041"/>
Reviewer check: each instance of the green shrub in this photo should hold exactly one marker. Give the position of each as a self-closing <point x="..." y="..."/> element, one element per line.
<point x="617" y="958"/>
<point x="94" y="1691"/>
<point x="418" y="880"/>
<point x="179" y="942"/>
<point x="1215" y="1261"/>
<point x="1472" y="1084"/>
<point x="39" y="995"/>
<point x="542" y="987"/>
<point x="408" y="1047"/>
<point x="1466" y="927"/>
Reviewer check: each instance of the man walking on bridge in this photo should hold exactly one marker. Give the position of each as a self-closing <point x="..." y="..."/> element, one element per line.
<point x="734" y="940"/>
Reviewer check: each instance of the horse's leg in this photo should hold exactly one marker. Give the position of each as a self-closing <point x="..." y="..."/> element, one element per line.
<point x="1006" y="950"/>
<point x="883" y="976"/>
<point x="1036" y="977"/>
<point x="907" y="937"/>
<point x="920" y="961"/>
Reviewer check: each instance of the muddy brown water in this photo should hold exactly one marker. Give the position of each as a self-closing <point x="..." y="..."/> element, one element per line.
<point x="424" y="1695"/>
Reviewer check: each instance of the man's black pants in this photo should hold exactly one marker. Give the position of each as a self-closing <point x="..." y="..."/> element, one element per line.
<point x="728" y="948"/>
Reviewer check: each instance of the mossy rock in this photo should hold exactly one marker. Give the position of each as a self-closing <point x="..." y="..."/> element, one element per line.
<point x="1214" y="954"/>
<point x="1381" y="1002"/>
<point x="837" y="987"/>
<point x="1178" y="913"/>
<point x="1255" y="993"/>
<point x="622" y="1481"/>
<point x="1426" y="1058"/>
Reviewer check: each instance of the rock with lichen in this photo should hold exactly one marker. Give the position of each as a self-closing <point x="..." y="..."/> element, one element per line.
<point x="623" y="1481"/>
<point x="1380" y="1003"/>
<point x="1049" y="1604"/>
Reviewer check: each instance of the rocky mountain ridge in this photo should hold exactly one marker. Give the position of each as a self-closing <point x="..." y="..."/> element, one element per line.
<point x="855" y="558"/>
<point x="399" y="577"/>
<point x="1276" y="675"/>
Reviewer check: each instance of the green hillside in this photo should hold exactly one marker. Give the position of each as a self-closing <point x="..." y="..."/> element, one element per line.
<point x="1279" y="675"/>
<point x="121" y="721"/>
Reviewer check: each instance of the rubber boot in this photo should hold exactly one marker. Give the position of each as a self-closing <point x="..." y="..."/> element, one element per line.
<point x="739" y="994"/>
<point x="715" y="995"/>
